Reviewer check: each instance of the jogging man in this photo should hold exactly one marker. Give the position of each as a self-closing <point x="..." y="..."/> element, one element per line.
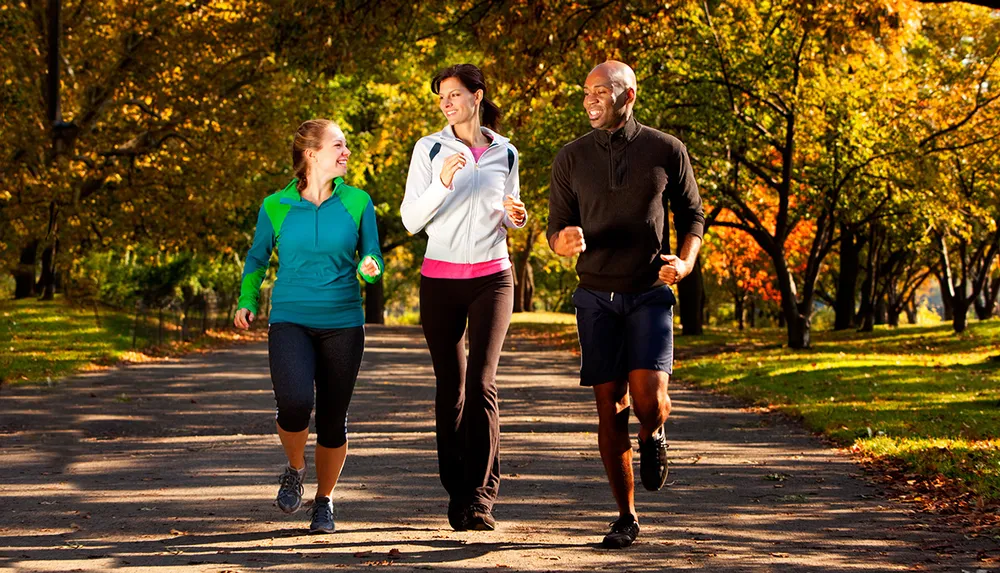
<point x="610" y="191"/>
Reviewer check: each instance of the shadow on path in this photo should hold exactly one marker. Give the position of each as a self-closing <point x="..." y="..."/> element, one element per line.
<point x="173" y="466"/>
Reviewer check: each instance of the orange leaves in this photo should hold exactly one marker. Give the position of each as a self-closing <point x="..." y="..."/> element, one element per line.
<point x="738" y="263"/>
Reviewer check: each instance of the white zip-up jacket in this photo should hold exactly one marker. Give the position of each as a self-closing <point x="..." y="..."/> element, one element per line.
<point x="467" y="222"/>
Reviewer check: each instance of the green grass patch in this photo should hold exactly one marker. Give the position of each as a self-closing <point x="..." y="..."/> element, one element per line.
<point x="917" y="397"/>
<point x="45" y="341"/>
<point x="543" y="330"/>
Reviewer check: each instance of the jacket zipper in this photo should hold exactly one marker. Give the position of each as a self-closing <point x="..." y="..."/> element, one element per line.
<point x="474" y="197"/>
<point x="316" y="216"/>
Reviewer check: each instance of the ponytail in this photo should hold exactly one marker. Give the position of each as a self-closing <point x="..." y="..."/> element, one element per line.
<point x="309" y="136"/>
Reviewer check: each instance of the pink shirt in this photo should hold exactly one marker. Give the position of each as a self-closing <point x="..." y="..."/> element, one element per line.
<point x="477" y="152"/>
<point x="444" y="270"/>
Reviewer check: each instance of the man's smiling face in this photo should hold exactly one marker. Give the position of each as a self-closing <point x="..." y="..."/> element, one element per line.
<point x="604" y="101"/>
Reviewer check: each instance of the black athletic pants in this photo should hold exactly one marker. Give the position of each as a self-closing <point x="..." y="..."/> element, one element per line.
<point x="467" y="412"/>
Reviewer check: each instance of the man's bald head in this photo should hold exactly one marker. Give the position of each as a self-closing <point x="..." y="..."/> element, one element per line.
<point x="620" y="74"/>
<point x="609" y="95"/>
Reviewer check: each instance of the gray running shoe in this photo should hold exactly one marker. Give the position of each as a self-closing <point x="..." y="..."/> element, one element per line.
<point x="290" y="493"/>
<point x="322" y="516"/>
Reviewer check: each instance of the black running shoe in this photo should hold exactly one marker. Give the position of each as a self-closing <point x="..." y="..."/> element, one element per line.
<point x="653" y="460"/>
<point x="481" y="518"/>
<point x="623" y="532"/>
<point x="322" y="516"/>
<point x="458" y="516"/>
<point x="290" y="493"/>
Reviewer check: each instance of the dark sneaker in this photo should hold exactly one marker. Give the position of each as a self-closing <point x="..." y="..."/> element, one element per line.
<point x="458" y="516"/>
<point x="653" y="460"/>
<point x="481" y="518"/>
<point x="290" y="493"/>
<point x="623" y="533"/>
<point x="322" y="516"/>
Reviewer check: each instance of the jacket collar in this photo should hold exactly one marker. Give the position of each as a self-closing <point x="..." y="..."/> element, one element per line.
<point x="624" y="134"/>
<point x="290" y="194"/>
<point x="448" y="134"/>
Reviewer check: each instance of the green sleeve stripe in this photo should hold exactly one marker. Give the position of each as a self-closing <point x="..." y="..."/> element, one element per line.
<point x="355" y="201"/>
<point x="258" y="259"/>
<point x="276" y="212"/>
<point x="250" y="290"/>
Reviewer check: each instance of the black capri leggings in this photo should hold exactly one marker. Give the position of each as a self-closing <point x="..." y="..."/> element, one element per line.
<point x="331" y="357"/>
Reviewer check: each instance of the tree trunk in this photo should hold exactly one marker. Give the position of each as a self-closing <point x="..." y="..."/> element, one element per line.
<point x="691" y="292"/>
<point x="527" y="295"/>
<point x="847" y="282"/>
<point x="881" y="311"/>
<point x="752" y="312"/>
<point x="135" y="326"/>
<point x="799" y="331"/>
<point x="866" y="314"/>
<point x="797" y="324"/>
<point x="986" y="302"/>
<point x="739" y="311"/>
<point x="47" y="279"/>
<point x="992" y="294"/>
<point x="24" y="276"/>
<point x="524" y="276"/>
<point x="911" y="312"/>
<point x="374" y="303"/>
<point x="892" y="318"/>
<point x="961" y="308"/>
<point x="946" y="302"/>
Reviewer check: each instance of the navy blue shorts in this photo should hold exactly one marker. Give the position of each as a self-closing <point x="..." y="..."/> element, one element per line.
<point x="620" y="333"/>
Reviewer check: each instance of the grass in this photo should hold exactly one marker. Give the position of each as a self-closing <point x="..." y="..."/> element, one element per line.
<point x="45" y="341"/>
<point x="547" y="330"/>
<point x="919" y="399"/>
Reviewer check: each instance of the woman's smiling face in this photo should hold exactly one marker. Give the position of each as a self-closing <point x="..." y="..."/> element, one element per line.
<point x="458" y="104"/>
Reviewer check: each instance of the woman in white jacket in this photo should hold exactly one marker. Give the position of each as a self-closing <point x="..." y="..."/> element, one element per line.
<point x="463" y="190"/>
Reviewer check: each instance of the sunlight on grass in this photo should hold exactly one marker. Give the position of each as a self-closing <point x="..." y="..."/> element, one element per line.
<point x="894" y="395"/>
<point x="543" y="318"/>
<point x="43" y="341"/>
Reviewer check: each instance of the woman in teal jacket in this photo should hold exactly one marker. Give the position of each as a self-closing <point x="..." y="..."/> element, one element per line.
<point x="320" y="227"/>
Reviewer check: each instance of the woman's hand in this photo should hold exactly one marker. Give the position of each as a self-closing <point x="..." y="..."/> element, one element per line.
<point x="515" y="210"/>
<point x="243" y="318"/>
<point x="369" y="266"/>
<point x="451" y="166"/>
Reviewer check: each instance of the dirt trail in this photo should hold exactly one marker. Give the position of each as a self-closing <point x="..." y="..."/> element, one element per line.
<point x="172" y="467"/>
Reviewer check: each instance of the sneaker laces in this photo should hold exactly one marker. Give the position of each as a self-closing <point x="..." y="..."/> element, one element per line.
<point x="318" y="507"/>
<point x="291" y="479"/>
<point x="622" y="523"/>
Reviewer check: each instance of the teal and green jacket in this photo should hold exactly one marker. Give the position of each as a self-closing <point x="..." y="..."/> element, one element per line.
<point x="319" y="254"/>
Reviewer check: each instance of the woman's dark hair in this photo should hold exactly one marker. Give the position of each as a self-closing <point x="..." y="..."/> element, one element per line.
<point x="472" y="78"/>
<point x="309" y="136"/>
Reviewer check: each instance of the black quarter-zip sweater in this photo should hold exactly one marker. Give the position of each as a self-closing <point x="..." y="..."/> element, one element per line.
<point x="617" y="187"/>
